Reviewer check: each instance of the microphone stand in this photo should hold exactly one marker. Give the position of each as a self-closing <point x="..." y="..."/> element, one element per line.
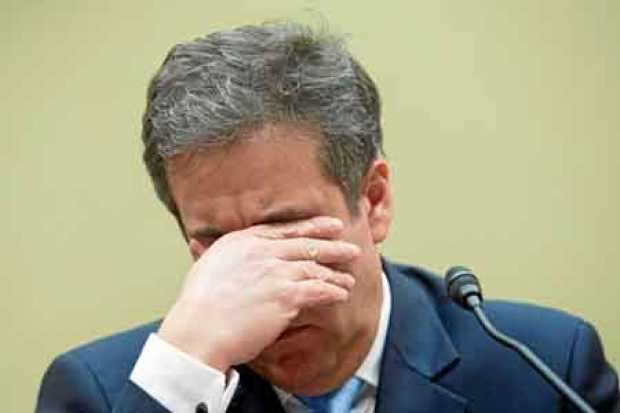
<point x="528" y="355"/>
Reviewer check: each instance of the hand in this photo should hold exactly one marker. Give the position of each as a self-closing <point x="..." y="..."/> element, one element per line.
<point x="243" y="292"/>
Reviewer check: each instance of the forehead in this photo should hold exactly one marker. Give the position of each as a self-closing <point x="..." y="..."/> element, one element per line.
<point x="286" y="140"/>
<point x="271" y="170"/>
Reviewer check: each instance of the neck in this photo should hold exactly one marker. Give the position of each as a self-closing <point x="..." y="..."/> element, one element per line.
<point x="352" y="354"/>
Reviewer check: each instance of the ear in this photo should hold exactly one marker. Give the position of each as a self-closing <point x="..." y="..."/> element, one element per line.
<point x="377" y="199"/>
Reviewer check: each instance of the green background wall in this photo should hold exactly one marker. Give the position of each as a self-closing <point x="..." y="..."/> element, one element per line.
<point x="501" y="124"/>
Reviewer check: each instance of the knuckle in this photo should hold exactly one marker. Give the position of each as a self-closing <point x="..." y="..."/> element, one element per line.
<point x="342" y="247"/>
<point x="297" y="229"/>
<point x="324" y="273"/>
<point x="311" y="269"/>
<point x="346" y="280"/>
<point x="317" y="289"/>
<point x="233" y="236"/>
<point x="306" y="226"/>
<point x="311" y="247"/>
<point x="301" y="226"/>
<point x="270" y="265"/>
<point x="274" y="230"/>
<point x="301" y="250"/>
<point x="235" y="239"/>
<point x="288" y="295"/>
<point x="304" y="269"/>
<point x="252" y="248"/>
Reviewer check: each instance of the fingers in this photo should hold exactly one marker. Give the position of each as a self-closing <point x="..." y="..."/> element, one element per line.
<point x="317" y="227"/>
<point x="310" y="270"/>
<point x="309" y="293"/>
<point x="311" y="284"/>
<point x="318" y="250"/>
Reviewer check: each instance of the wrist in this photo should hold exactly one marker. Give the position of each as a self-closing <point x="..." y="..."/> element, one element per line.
<point x="200" y="350"/>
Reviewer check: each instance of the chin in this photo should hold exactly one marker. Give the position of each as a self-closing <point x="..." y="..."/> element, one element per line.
<point x="295" y="362"/>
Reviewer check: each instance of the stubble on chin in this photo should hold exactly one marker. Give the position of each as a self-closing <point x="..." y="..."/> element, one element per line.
<point x="293" y="373"/>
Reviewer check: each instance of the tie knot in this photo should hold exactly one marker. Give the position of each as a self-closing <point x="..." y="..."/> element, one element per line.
<point x="339" y="400"/>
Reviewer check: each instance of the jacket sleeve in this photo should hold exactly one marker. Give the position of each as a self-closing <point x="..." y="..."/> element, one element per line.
<point x="71" y="386"/>
<point x="590" y="374"/>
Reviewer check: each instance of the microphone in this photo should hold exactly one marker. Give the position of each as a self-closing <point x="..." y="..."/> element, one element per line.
<point x="464" y="289"/>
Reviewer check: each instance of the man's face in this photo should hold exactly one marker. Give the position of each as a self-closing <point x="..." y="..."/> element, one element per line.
<point x="273" y="176"/>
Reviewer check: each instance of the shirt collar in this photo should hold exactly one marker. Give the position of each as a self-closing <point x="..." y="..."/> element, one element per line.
<point x="370" y="368"/>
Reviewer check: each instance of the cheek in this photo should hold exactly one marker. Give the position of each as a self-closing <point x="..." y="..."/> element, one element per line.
<point x="361" y="236"/>
<point x="357" y="231"/>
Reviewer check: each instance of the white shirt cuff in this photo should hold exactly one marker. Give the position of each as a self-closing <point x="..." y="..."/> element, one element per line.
<point x="180" y="382"/>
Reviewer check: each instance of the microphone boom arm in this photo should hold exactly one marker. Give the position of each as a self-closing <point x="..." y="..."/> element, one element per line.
<point x="528" y="355"/>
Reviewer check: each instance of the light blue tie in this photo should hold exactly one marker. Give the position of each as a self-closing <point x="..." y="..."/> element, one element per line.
<point x="336" y="401"/>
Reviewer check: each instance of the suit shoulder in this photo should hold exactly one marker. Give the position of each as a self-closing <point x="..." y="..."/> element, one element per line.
<point x="529" y="320"/>
<point x="519" y="318"/>
<point x="122" y="344"/>
<point x="549" y="332"/>
<point x="111" y="359"/>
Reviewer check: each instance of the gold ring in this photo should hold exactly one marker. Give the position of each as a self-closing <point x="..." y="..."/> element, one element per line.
<point x="312" y="250"/>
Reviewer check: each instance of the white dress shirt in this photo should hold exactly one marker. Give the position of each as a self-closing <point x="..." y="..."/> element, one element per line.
<point x="180" y="382"/>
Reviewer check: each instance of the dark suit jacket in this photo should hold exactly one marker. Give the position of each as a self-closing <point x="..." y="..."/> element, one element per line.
<point x="436" y="359"/>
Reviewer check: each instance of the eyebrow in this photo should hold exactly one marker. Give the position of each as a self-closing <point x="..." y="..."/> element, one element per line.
<point x="272" y="217"/>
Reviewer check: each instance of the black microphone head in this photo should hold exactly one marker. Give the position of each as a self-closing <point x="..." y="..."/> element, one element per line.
<point x="461" y="284"/>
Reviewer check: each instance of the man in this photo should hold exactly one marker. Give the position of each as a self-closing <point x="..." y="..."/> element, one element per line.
<point x="265" y="144"/>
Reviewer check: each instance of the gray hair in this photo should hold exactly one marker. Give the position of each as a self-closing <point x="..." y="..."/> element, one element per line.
<point x="207" y="91"/>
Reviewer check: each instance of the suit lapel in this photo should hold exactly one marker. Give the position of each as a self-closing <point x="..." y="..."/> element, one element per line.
<point x="417" y="352"/>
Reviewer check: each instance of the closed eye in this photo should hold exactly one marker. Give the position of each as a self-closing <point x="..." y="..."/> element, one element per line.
<point x="206" y="236"/>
